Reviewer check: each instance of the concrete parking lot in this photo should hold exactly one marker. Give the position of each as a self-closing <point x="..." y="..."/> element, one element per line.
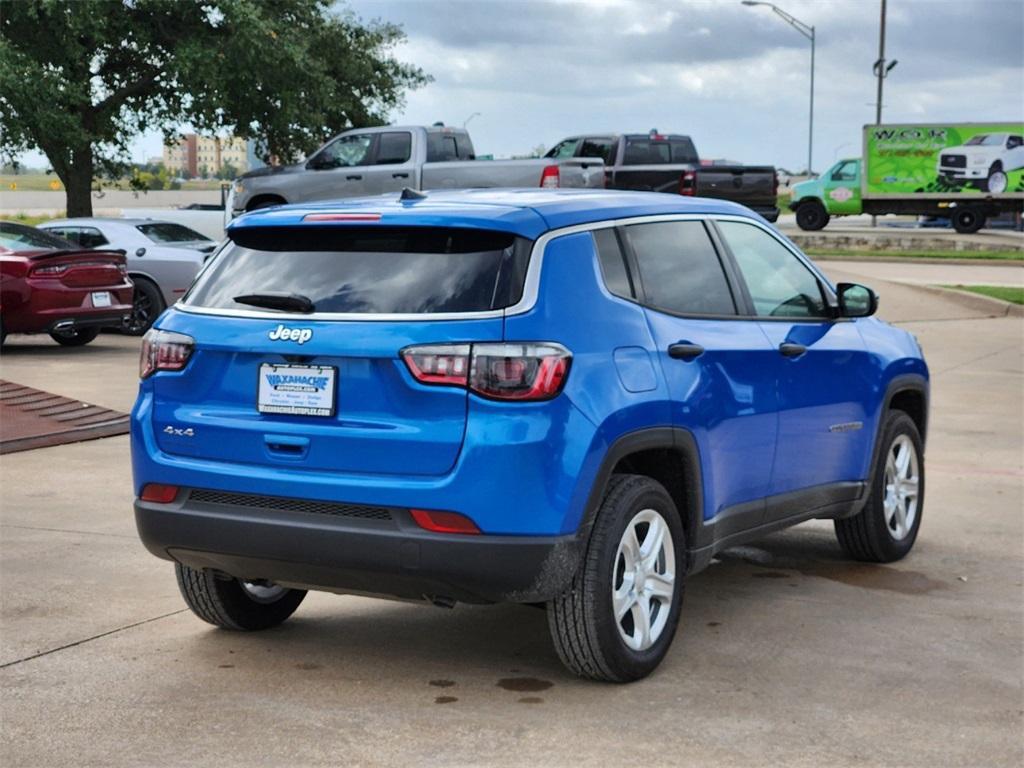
<point x="787" y="654"/>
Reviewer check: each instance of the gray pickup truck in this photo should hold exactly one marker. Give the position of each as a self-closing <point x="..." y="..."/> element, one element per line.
<point x="669" y="163"/>
<point x="371" y="161"/>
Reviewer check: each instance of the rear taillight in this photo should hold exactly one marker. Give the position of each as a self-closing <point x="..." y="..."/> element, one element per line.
<point x="688" y="183"/>
<point x="549" y="177"/>
<point x="51" y="269"/>
<point x="509" y="371"/>
<point x="164" y="351"/>
<point x="159" y="493"/>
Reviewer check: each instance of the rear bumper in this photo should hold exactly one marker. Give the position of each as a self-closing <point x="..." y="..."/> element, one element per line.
<point x="380" y="554"/>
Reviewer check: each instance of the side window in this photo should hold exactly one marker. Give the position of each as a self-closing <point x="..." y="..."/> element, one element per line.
<point x="68" y="233"/>
<point x="394" y="148"/>
<point x="846" y="171"/>
<point x="613" y="265"/>
<point x="90" y="237"/>
<point x="779" y="283"/>
<point x="601" y="148"/>
<point x="1014" y="141"/>
<point x="679" y="268"/>
<point x="441" y="148"/>
<point x="464" y="147"/>
<point x="344" y="152"/>
<point x="563" y="149"/>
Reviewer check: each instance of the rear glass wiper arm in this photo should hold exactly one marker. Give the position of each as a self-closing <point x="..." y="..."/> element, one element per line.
<point x="286" y="302"/>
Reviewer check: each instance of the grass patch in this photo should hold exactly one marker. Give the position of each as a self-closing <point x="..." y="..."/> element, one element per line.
<point x="1011" y="293"/>
<point x="32" y="221"/>
<point x="1008" y="255"/>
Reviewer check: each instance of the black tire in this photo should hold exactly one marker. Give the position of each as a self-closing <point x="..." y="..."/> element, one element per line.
<point x="147" y="304"/>
<point x="224" y="602"/>
<point x="267" y="202"/>
<point x="811" y="216"/>
<point x="581" y="619"/>
<point x="968" y="220"/>
<point x="76" y="337"/>
<point x="867" y="536"/>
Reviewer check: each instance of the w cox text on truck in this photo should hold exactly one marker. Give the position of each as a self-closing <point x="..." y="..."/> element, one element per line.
<point x="371" y="161"/>
<point x="966" y="173"/>
<point x="653" y="162"/>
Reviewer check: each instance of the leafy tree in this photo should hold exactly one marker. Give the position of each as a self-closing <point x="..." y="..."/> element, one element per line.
<point x="79" y="79"/>
<point x="227" y="171"/>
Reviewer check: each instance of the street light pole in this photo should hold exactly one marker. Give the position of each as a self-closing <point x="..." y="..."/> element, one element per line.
<point x="807" y="31"/>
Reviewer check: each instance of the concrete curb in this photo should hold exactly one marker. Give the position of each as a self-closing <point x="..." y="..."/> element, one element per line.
<point x="887" y="259"/>
<point x="994" y="307"/>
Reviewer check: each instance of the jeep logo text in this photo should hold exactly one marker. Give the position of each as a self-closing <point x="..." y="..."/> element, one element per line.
<point x="301" y="335"/>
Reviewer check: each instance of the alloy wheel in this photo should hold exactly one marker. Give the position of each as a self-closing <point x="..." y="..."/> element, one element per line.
<point x="643" y="580"/>
<point x="902" y="480"/>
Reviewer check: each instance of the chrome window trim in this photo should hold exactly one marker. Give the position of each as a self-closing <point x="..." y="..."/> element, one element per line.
<point x="531" y="286"/>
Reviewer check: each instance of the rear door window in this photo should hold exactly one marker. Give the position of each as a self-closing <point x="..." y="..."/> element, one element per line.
<point x="397" y="270"/>
<point x="679" y="268"/>
<point x="394" y="148"/>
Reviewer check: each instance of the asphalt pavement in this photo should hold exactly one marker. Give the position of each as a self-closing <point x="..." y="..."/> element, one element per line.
<point x="787" y="653"/>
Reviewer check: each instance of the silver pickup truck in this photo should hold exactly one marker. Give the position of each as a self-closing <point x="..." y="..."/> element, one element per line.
<point x="371" y="161"/>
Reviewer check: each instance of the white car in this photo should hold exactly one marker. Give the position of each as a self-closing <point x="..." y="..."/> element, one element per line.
<point x="984" y="159"/>
<point x="163" y="258"/>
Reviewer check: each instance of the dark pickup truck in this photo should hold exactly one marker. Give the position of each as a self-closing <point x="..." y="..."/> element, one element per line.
<point x="657" y="162"/>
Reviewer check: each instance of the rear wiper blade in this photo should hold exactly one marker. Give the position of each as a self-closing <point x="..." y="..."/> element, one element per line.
<point x="286" y="302"/>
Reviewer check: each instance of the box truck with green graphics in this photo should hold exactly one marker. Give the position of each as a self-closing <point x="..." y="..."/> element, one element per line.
<point x="966" y="172"/>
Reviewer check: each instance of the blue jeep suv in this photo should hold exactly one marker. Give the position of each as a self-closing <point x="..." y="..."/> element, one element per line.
<point x="566" y="398"/>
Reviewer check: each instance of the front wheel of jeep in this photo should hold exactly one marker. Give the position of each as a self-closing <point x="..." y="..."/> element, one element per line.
<point x="886" y="529"/>
<point x="617" y="619"/>
<point x="232" y="603"/>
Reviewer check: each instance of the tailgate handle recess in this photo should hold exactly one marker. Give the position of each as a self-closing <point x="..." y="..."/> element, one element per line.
<point x="286" y="446"/>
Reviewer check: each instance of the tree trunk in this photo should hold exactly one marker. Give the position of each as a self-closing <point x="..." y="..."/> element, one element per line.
<point x="78" y="183"/>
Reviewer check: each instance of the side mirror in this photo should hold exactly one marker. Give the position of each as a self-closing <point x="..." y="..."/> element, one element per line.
<point x="856" y="300"/>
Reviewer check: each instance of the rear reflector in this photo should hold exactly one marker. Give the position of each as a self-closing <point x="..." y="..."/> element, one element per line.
<point x="341" y="217"/>
<point x="443" y="522"/>
<point x="159" y="493"/>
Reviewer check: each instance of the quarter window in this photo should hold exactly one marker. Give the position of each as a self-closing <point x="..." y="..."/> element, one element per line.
<point x="779" y="283"/>
<point x="679" y="268"/>
<point x="613" y="266"/>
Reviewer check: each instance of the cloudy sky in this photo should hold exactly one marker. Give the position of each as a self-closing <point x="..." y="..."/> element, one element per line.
<point x="733" y="77"/>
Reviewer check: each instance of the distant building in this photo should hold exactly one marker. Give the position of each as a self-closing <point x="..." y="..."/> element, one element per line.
<point x="194" y="154"/>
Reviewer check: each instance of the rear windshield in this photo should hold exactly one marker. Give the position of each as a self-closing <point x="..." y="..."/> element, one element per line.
<point x="17" y="237"/>
<point x="165" y="232"/>
<point x="647" y="151"/>
<point x="407" y="270"/>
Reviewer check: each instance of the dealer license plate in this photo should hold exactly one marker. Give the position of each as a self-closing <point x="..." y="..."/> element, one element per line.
<point x="301" y="390"/>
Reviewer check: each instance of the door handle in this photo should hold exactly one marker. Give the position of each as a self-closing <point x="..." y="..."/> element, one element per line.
<point x="399" y="175"/>
<point x="789" y="349"/>
<point x="684" y="350"/>
<point x="354" y="177"/>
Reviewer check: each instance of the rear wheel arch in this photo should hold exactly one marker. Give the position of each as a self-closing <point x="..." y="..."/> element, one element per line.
<point x="668" y="455"/>
<point x="265" y="201"/>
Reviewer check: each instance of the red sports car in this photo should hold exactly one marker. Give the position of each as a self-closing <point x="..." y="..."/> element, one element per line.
<point x="49" y="285"/>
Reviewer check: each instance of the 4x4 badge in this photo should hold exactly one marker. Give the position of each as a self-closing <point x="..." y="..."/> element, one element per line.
<point x="301" y="335"/>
